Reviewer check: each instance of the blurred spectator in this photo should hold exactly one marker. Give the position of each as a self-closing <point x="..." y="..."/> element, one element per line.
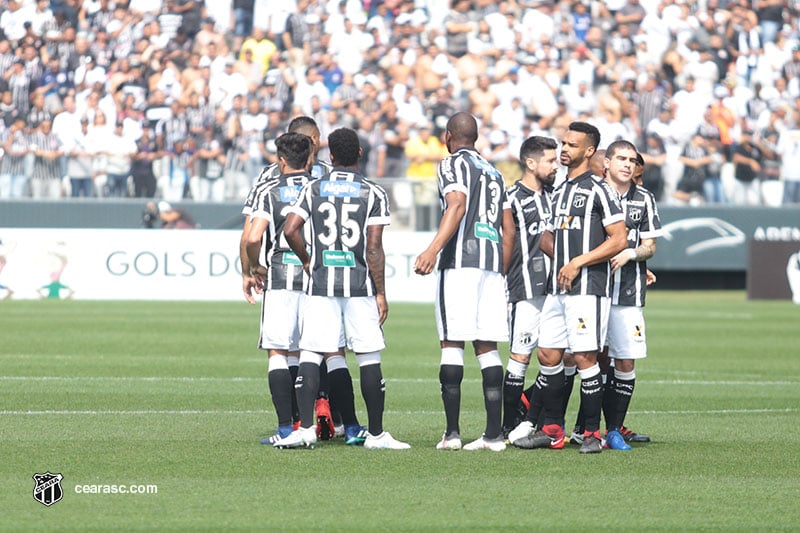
<point x="243" y="17"/>
<point x="142" y="166"/>
<point x="395" y="135"/>
<point x="15" y="145"/>
<point x="174" y="217"/>
<point x="789" y="151"/>
<point x="209" y="163"/>
<point x="80" y="166"/>
<point x="424" y="152"/>
<point x="119" y="156"/>
<point x="747" y="157"/>
<point x="654" y="157"/>
<point x="46" y="173"/>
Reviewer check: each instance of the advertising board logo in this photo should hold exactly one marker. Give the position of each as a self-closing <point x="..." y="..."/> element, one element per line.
<point x="716" y="233"/>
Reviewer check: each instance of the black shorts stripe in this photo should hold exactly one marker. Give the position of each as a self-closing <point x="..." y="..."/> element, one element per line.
<point x="442" y="308"/>
<point x="599" y="317"/>
<point x="513" y="321"/>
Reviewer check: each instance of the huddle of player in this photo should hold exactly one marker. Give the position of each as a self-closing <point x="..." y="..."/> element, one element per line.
<point x="558" y="270"/>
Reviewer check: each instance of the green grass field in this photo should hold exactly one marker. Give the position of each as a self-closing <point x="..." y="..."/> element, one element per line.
<point x="175" y="395"/>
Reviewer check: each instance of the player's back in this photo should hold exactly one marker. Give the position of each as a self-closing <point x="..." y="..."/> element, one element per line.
<point x="478" y="241"/>
<point x="340" y="206"/>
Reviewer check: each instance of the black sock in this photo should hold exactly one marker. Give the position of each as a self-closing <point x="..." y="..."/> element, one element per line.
<point x="534" y="412"/>
<point x="324" y="388"/>
<point x="450" y="377"/>
<point x="280" y="388"/>
<point x="492" y="400"/>
<point x="373" y="388"/>
<point x="341" y="394"/>
<point x="306" y="387"/>
<point x="623" y="391"/>
<point x="592" y="402"/>
<point x="569" y="383"/>
<point x="609" y="399"/>
<point x="552" y="391"/>
<point x="293" y="369"/>
<point x="513" y="385"/>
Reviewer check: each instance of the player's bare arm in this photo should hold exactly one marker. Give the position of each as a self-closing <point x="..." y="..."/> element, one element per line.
<point x="293" y="231"/>
<point x="456" y="207"/>
<point x="643" y="252"/>
<point x="616" y="242"/>
<point x="253" y="250"/>
<point x="509" y="235"/>
<point x="376" y="261"/>
<point x="547" y="243"/>
<point x="248" y="282"/>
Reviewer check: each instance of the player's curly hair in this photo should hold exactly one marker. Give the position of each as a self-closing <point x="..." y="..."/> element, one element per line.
<point x="344" y="147"/>
<point x="295" y="148"/>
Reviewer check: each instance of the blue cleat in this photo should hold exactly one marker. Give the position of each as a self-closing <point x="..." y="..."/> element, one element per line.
<point x="282" y="432"/>
<point x="615" y="441"/>
<point x="355" y="435"/>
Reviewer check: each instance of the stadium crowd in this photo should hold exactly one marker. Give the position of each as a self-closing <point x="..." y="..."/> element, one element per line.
<point x="179" y="99"/>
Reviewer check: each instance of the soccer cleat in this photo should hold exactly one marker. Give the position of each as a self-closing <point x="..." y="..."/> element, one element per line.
<point x="355" y="435"/>
<point x="301" y="438"/>
<point x="592" y="443"/>
<point x="550" y="436"/>
<point x="384" y="441"/>
<point x="615" y="441"/>
<point x="282" y="432"/>
<point x="338" y="431"/>
<point x="453" y="443"/>
<point x="576" y="438"/>
<point x="524" y="429"/>
<point x="630" y="436"/>
<point x="496" y="445"/>
<point x="325" y="429"/>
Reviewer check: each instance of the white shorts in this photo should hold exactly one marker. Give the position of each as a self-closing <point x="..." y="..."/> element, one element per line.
<point x="523" y="321"/>
<point x="626" y="339"/>
<point x="471" y="305"/>
<point x="280" y="320"/>
<point x="325" y="317"/>
<point x="574" y="323"/>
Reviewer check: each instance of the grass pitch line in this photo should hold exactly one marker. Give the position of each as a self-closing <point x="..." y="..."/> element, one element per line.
<point x="181" y="412"/>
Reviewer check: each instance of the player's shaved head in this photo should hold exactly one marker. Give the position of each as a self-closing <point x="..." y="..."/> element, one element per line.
<point x="463" y="129"/>
<point x="303" y="124"/>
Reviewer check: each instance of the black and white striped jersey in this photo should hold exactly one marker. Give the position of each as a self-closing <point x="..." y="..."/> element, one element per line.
<point x="478" y="243"/>
<point x="530" y="266"/>
<point x="643" y="222"/>
<point x="271" y="172"/>
<point x="582" y="207"/>
<point x="274" y="200"/>
<point x="338" y="208"/>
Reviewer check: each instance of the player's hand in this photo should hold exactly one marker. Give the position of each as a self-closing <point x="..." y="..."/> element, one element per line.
<point x="651" y="278"/>
<point x="566" y="275"/>
<point x="383" y="307"/>
<point x="248" y="285"/>
<point x="425" y="263"/>
<point x="621" y="259"/>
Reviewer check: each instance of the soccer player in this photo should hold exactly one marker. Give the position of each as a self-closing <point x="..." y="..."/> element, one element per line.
<point x="326" y="413"/>
<point x="346" y="214"/>
<point x="529" y="267"/>
<point x="588" y="230"/>
<point x="475" y="238"/>
<point x="282" y="281"/>
<point x="626" y="330"/>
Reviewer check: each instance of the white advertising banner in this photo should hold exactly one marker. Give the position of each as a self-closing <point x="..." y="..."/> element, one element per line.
<point x="115" y="264"/>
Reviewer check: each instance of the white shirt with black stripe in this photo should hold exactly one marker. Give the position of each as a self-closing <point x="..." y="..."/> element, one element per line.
<point x="271" y="172"/>
<point x="530" y="266"/>
<point x="338" y="208"/>
<point x="273" y="202"/>
<point x="643" y="222"/>
<point x="582" y="208"/>
<point x="478" y="243"/>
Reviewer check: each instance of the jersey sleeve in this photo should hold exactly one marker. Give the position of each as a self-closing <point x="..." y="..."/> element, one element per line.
<point x="379" y="214"/>
<point x="610" y="206"/>
<point x="651" y="222"/>
<point x="450" y="179"/>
